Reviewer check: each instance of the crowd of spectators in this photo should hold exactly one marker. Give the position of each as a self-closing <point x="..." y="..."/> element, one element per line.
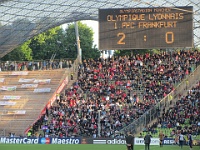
<point x="104" y="96"/>
<point x="183" y="117"/>
<point x="35" y="65"/>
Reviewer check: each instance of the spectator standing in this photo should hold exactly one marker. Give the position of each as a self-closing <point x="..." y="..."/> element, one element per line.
<point x="161" y="137"/>
<point x="72" y="76"/>
<point x="190" y="140"/>
<point x="60" y="64"/>
<point x="181" y="140"/>
<point x="147" y="141"/>
<point x="129" y="141"/>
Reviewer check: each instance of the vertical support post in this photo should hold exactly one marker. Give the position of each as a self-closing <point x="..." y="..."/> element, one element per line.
<point x="79" y="51"/>
<point x="150" y="115"/>
<point x="99" y="124"/>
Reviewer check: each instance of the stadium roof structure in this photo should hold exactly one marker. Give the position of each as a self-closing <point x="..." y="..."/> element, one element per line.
<point x="20" y="20"/>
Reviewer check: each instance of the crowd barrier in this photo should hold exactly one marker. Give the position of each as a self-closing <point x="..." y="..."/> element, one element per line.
<point x="80" y="140"/>
<point x="36" y="64"/>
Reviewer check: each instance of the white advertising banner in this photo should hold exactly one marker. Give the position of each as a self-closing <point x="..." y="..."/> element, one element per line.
<point x="140" y="141"/>
<point x="42" y="90"/>
<point x="2" y="80"/>
<point x="11" y="97"/>
<point x="8" y="88"/>
<point x="17" y="112"/>
<point x="25" y="80"/>
<point x="16" y="73"/>
<point x="137" y="141"/>
<point x="4" y="103"/>
<point x="42" y="81"/>
<point x="29" y="85"/>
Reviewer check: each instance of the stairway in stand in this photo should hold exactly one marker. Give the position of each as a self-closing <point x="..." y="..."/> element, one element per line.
<point x="23" y="96"/>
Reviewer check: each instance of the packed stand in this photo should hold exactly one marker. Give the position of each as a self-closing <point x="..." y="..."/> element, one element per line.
<point x="184" y="117"/>
<point x="106" y="86"/>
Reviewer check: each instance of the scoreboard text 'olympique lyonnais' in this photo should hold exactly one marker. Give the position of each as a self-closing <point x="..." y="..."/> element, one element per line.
<point x="139" y="28"/>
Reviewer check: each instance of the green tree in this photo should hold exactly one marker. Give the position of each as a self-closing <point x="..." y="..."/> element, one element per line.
<point x="44" y="45"/>
<point x="57" y="41"/>
<point x="86" y="41"/>
<point x="20" y="53"/>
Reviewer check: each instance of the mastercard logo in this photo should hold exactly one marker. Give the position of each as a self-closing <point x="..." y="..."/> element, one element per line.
<point x="45" y="141"/>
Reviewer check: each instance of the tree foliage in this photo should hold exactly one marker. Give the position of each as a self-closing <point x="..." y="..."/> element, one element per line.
<point x="45" y="44"/>
<point x="56" y="41"/>
<point x="21" y="53"/>
<point x="86" y="41"/>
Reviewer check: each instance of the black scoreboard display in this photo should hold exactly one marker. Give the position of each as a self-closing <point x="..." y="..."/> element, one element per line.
<point x="140" y="28"/>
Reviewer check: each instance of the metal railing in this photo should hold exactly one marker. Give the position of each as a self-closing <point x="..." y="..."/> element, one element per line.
<point x="152" y="114"/>
<point x="36" y="64"/>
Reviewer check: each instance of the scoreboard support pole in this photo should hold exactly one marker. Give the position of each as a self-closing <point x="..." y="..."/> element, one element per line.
<point x="79" y="51"/>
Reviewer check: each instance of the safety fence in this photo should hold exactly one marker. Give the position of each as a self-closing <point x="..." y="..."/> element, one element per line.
<point x="36" y="64"/>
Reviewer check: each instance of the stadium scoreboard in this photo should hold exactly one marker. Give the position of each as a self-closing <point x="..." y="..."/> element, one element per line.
<point x="140" y="28"/>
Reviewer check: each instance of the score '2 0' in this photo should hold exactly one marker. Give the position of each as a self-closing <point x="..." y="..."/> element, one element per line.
<point x="169" y="38"/>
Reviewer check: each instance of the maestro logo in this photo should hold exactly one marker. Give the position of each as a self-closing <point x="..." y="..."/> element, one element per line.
<point x="45" y="140"/>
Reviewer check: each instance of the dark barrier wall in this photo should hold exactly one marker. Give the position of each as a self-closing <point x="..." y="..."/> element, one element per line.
<point x="171" y="141"/>
<point x="19" y="140"/>
<point x="79" y="140"/>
